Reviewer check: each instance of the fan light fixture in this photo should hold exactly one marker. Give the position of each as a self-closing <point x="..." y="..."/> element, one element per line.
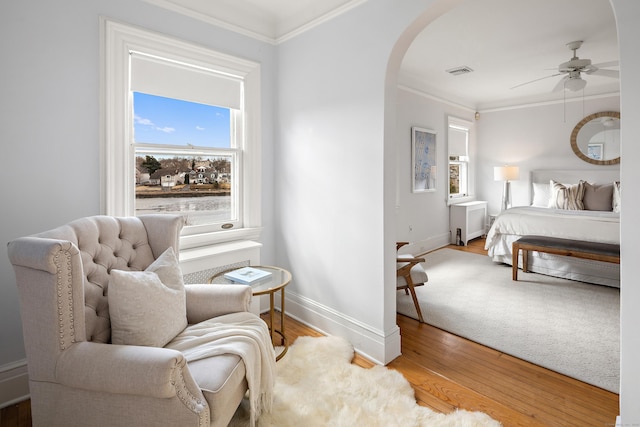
<point x="575" y="84"/>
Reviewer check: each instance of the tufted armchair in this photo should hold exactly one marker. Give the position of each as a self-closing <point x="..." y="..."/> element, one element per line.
<point x="76" y="375"/>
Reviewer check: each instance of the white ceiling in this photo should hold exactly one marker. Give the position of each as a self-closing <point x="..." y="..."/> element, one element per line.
<point x="505" y="42"/>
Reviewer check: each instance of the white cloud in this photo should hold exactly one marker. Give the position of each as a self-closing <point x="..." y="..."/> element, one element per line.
<point x="146" y="122"/>
<point x="143" y="121"/>
<point x="199" y="128"/>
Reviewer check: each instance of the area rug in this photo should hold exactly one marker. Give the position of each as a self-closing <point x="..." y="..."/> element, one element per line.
<point x="317" y="386"/>
<point x="569" y="327"/>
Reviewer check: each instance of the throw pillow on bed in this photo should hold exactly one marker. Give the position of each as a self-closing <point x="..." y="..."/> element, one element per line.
<point x="541" y="195"/>
<point x="148" y="307"/>
<point x="598" y="197"/>
<point x="566" y="196"/>
<point x="616" y="196"/>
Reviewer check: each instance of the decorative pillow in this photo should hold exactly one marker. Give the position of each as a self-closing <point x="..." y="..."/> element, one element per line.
<point x="616" y="196"/>
<point x="148" y="307"/>
<point x="566" y="196"/>
<point x="598" y="197"/>
<point x="541" y="195"/>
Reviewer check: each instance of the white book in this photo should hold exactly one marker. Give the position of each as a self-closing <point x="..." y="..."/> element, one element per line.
<point x="247" y="275"/>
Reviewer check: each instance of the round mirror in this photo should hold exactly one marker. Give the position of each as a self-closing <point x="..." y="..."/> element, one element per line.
<point x="596" y="139"/>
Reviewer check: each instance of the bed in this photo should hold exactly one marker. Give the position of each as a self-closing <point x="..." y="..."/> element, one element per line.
<point x="593" y="224"/>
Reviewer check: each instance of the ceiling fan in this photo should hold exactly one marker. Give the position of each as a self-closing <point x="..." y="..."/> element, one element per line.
<point x="573" y="69"/>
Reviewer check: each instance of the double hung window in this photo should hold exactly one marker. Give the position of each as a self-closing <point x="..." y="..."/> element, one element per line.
<point x="181" y="134"/>
<point x="459" y="161"/>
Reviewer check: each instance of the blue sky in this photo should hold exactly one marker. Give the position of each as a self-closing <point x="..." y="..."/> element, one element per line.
<point x="159" y="120"/>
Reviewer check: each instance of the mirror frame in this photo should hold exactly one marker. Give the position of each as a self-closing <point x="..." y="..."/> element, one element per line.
<point x="574" y="138"/>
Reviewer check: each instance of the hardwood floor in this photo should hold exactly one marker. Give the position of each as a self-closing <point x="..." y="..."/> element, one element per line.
<point x="448" y="372"/>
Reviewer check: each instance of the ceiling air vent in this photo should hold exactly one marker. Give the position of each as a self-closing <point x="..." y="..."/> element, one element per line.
<point x="459" y="70"/>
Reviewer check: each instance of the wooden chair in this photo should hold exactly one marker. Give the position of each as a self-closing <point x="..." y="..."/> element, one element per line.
<point x="410" y="274"/>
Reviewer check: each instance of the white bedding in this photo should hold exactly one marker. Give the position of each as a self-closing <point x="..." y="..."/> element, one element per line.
<point x="594" y="226"/>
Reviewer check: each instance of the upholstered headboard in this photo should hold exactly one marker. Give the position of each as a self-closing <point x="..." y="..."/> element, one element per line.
<point x="593" y="176"/>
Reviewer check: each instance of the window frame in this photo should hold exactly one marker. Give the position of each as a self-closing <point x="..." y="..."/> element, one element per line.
<point x="457" y="123"/>
<point x="117" y="140"/>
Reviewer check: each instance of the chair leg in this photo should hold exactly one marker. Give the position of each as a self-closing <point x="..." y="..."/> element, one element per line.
<point x="412" y="290"/>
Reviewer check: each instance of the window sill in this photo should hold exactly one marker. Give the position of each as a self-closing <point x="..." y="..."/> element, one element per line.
<point x="215" y="238"/>
<point x="457" y="200"/>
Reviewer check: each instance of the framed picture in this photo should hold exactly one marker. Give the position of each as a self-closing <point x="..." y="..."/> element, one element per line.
<point x="423" y="160"/>
<point x="595" y="151"/>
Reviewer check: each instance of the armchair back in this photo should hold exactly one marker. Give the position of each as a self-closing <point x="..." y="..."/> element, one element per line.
<point x="89" y="248"/>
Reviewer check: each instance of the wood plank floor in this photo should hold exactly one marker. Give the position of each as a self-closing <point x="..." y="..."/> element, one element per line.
<point x="448" y="372"/>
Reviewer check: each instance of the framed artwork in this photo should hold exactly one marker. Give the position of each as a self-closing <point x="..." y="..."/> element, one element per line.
<point x="595" y="151"/>
<point x="423" y="160"/>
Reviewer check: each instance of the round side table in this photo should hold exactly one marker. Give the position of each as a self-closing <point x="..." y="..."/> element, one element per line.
<point x="277" y="281"/>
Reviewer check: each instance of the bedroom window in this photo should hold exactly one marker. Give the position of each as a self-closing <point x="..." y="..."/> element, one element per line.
<point x="459" y="162"/>
<point x="181" y="134"/>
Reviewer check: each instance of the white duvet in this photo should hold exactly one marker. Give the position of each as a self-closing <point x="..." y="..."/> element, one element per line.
<point x="592" y="226"/>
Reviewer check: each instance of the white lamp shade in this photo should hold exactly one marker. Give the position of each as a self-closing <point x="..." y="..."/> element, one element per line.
<point x="506" y="173"/>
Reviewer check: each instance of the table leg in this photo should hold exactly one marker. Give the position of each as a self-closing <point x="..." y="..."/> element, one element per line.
<point x="271" y="316"/>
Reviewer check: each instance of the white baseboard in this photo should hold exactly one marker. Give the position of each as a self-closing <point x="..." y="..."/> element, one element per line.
<point x="14" y="383"/>
<point x="421" y="247"/>
<point x="378" y="346"/>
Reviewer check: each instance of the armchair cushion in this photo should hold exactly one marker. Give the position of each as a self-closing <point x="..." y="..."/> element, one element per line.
<point x="148" y="307"/>
<point x="418" y="274"/>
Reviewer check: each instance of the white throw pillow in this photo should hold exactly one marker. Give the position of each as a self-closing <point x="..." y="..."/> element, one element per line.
<point x="541" y="195"/>
<point x="148" y="307"/>
<point x="616" y="196"/>
<point x="566" y="196"/>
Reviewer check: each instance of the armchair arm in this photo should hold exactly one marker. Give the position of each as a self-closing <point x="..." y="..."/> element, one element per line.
<point x="207" y="301"/>
<point x="400" y="244"/>
<point x="126" y="369"/>
<point x="406" y="264"/>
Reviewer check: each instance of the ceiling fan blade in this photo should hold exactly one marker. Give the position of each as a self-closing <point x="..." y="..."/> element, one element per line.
<point x="560" y="85"/>
<point x="606" y="64"/>
<point x="605" y="73"/>
<point x="536" y="80"/>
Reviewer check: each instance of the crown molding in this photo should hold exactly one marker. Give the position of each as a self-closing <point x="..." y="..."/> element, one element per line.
<point x="273" y="38"/>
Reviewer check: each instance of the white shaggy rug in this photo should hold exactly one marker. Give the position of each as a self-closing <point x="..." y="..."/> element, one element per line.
<point x="566" y="326"/>
<point x="317" y="386"/>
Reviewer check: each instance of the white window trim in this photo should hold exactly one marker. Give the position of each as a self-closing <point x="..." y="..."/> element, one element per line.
<point x="471" y="163"/>
<point x="116" y="166"/>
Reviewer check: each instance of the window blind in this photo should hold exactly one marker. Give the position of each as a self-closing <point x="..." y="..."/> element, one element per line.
<point x="171" y="79"/>
<point x="458" y="138"/>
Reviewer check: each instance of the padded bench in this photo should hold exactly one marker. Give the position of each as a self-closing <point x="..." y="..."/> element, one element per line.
<point x="606" y="252"/>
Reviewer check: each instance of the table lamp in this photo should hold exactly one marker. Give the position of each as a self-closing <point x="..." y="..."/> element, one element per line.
<point x="506" y="174"/>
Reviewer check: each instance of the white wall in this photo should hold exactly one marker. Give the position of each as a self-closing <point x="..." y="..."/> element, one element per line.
<point x="627" y="14"/>
<point x="331" y="178"/>
<point x="423" y="218"/>
<point x="531" y="137"/>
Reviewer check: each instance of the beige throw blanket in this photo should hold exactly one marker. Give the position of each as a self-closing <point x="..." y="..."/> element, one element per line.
<point x="221" y="335"/>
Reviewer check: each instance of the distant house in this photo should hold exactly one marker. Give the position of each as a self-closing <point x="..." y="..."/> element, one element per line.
<point x="142" y="176"/>
<point x="165" y="177"/>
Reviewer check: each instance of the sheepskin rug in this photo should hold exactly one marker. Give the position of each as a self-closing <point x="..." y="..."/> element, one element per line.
<point x="317" y="385"/>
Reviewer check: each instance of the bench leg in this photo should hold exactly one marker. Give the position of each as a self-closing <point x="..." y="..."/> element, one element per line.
<point x="514" y="261"/>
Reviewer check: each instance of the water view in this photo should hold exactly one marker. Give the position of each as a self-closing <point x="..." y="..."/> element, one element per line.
<point x="196" y="210"/>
